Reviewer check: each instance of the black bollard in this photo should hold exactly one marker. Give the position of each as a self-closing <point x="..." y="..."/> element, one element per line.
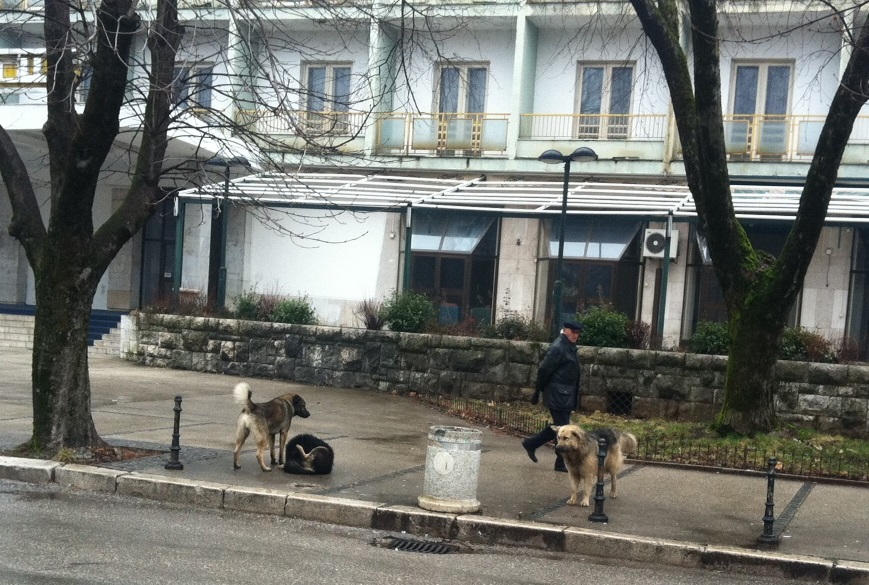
<point x="598" y="515"/>
<point x="768" y="536"/>
<point x="175" y="448"/>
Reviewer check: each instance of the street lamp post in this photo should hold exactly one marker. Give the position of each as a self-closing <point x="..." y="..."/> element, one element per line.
<point x="581" y="154"/>
<point x="220" y="225"/>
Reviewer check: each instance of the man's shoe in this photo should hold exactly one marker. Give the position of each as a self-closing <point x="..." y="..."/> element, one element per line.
<point x="561" y="467"/>
<point x="530" y="450"/>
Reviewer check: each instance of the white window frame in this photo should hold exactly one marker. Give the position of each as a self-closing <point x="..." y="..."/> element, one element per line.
<point x="603" y="125"/>
<point x="759" y="133"/>
<point x="333" y="117"/>
<point x="463" y="98"/>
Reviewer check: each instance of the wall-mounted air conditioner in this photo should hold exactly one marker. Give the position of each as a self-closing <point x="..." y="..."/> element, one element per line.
<point x="654" y="240"/>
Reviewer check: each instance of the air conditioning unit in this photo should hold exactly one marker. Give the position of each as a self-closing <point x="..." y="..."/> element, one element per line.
<point x="654" y="240"/>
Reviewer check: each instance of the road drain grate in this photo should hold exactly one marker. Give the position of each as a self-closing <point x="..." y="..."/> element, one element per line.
<point x="420" y="546"/>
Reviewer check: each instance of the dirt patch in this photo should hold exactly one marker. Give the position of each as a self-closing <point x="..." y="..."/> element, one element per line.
<point x="95" y="456"/>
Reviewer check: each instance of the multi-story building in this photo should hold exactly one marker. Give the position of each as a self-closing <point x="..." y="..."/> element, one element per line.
<point x="410" y="135"/>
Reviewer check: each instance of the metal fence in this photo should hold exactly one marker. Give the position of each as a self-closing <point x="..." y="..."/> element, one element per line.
<point x="801" y="460"/>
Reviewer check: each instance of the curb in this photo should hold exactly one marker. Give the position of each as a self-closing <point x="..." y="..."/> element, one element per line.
<point x="469" y="528"/>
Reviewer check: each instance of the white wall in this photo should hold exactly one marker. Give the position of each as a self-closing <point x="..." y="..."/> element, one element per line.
<point x="334" y="261"/>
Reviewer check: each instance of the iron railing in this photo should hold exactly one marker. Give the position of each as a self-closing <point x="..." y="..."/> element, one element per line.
<point x="799" y="460"/>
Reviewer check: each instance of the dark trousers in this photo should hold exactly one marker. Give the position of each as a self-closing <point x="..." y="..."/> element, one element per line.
<point x="559" y="418"/>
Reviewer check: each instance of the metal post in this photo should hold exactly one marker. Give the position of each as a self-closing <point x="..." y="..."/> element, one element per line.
<point x="175" y="448"/>
<point x="768" y="536"/>
<point x="558" y="286"/>
<point x="179" y="209"/>
<point x="665" y="274"/>
<point x="224" y="226"/>
<point x="598" y="515"/>
<point x="408" y="236"/>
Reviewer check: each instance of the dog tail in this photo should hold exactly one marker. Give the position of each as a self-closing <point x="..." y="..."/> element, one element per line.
<point x="627" y="443"/>
<point x="242" y="393"/>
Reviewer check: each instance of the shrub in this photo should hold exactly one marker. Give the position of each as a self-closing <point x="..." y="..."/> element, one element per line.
<point x="800" y="344"/>
<point x="295" y="311"/>
<point x="370" y="312"/>
<point x="639" y="335"/>
<point x="603" y="327"/>
<point x="409" y="312"/>
<point x="514" y="326"/>
<point x="710" y="338"/>
<point x="247" y="306"/>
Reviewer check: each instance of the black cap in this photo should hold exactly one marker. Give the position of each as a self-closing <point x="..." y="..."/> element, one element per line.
<point x="576" y="326"/>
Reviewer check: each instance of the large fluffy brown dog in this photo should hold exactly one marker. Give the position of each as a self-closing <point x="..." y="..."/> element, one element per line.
<point x="265" y="420"/>
<point x="579" y="449"/>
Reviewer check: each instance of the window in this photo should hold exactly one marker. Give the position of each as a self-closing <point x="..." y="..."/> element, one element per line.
<point x="460" y="101"/>
<point x="453" y="263"/>
<point x="10" y="66"/>
<point x="604" y="100"/>
<point x="601" y="264"/>
<point x="328" y="97"/>
<point x="760" y="100"/>
<point x="461" y="88"/>
<point x="858" y="306"/>
<point x="192" y="87"/>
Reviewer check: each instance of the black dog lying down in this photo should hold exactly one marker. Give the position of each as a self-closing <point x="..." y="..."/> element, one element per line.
<point x="309" y="455"/>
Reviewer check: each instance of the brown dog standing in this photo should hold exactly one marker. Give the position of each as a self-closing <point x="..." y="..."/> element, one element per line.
<point x="265" y="420"/>
<point x="579" y="449"/>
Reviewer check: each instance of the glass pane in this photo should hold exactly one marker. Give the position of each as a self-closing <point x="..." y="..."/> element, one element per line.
<point x="452" y="273"/>
<point x="605" y="240"/>
<point x="592" y="90"/>
<point x="745" y="96"/>
<point x="449" y="90"/>
<point x="477" y="90"/>
<point x="428" y="231"/>
<point x="464" y="232"/>
<point x="342" y="89"/>
<point x="200" y="92"/>
<point x="316" y="88"/>
<point x="423" y="274"/>
<point x="777" y="87"/>
<point x="598" y="284"/>
<point x="620" y="95"/>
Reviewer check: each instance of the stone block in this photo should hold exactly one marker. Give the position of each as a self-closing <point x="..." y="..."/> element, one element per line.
<point x="499" y="531"/>
<point x="178" y="490"/>
<point x="342" y="511"/>
<point x="259" y="500"/>
<point x="632" y="548"/>
<point x="87" y="477"/>
<point x="415" y="521"/>
<point x="29" y="470"/>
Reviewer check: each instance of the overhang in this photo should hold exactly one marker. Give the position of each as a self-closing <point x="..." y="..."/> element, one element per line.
<point x="380" y="192"/>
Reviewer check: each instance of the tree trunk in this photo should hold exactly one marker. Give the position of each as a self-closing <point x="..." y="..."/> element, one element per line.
<point x="61" y="384"/>
<point x="749" y="392"/>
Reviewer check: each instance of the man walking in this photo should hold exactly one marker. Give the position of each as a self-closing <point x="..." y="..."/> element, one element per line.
<point x="558" y="381"/>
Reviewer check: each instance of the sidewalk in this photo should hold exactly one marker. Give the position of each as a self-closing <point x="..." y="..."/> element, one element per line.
<point x="665" y="515"/>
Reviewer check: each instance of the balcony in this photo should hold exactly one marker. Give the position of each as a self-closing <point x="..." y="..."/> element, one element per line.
<point x="302" y="130"/>
<point x="621" y="136"/>
<point x="459" y="135"/>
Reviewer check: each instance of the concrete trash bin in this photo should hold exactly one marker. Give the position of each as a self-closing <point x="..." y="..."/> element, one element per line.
<point x="452" y="464"/>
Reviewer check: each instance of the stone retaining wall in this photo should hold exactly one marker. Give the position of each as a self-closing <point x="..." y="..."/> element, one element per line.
<point x="677" y="386"/>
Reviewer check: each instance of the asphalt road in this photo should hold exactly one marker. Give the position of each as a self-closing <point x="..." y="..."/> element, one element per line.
<point x="54" y="535"/>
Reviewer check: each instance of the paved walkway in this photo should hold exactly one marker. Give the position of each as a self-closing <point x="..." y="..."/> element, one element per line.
<point x="380" y="442"/>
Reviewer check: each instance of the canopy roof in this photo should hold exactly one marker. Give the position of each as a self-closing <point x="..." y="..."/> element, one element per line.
<point x="514" y="198"/>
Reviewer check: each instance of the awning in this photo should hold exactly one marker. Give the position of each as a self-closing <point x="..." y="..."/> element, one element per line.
<point x="594" y="240"/>
<point x="354" y="192"/>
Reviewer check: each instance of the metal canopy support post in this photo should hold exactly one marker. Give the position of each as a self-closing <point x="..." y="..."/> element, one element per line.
<point x="179" y="209"/>
<point x="408" y="248"/>
<point x="224" y="226"/>
<point x="665" y="273"/>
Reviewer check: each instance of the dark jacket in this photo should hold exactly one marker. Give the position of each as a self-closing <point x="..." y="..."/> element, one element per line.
<point x="558" y="376"/>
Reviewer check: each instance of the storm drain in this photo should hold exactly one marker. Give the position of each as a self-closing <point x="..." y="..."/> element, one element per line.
<point x="421" y="546"/>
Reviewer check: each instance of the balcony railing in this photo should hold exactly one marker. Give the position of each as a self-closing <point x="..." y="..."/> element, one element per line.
<point x="780" y="137"/>
<point x="477" y="134"/>
<point x="307" y="124"/>
<point x="593" y="126"/>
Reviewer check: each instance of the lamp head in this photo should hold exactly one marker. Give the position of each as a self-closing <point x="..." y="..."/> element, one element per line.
<point x="552" y="157"/>
<point x="582" y="154"/>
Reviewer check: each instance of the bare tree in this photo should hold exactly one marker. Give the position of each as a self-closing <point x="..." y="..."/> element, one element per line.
<point x="146" y="85"/>
<point x="759" y="290"/>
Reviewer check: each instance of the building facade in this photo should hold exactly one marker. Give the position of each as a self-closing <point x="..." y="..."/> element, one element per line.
<point x="398" y="148"/>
